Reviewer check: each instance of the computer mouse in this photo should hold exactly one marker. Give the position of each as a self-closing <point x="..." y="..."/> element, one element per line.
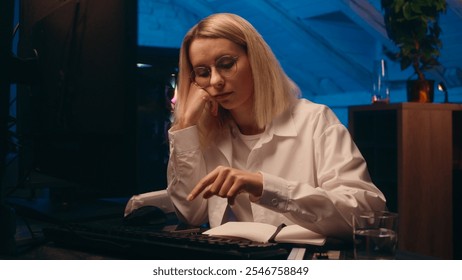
<point x="146" y="216"/>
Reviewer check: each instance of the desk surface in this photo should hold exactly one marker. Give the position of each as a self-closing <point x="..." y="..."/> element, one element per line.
<point x="37" y="248"/>
<point x="31" y="245"/>
<point x="49" y="251"/>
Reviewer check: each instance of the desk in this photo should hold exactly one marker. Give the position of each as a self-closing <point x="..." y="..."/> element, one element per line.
<point x="37" y="248"/>
<point x="49" y="251"/>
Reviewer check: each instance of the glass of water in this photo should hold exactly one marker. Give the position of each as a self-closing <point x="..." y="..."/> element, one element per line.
<point x="375" y="235"/>
<point x="380" y="83"/>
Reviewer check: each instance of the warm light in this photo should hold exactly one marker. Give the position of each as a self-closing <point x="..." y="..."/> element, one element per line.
<point x="442" y="87"/>
<point x="377" y="100"/>
<point x="423" y="96"/>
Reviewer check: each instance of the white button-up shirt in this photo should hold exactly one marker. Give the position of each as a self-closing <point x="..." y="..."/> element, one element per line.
<point x="313" y="173"/>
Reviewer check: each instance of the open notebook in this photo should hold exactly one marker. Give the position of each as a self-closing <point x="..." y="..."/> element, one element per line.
<point x="265" y="233"/>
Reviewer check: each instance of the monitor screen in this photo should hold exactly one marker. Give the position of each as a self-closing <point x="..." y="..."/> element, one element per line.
<point x="78" y="124"/>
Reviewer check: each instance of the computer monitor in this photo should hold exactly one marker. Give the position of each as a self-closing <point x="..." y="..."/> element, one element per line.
<point x="78" y="124"/>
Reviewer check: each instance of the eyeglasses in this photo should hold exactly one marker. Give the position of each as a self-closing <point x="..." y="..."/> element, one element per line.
<point x="225" y="65"/>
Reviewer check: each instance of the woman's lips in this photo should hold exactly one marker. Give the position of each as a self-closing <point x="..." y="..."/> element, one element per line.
<point x="222" y="95"/>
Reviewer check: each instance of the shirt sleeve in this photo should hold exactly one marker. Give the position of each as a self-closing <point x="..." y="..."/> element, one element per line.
<point x="186" y="167"/>
<point x="343" y="187"/>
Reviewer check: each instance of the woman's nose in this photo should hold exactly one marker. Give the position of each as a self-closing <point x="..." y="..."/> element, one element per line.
<point x="216" y="80"/>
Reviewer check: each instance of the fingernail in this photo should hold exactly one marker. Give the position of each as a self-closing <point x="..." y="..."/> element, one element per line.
<point x="190" y="197"/>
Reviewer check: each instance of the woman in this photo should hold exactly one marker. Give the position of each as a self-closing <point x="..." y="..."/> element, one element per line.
<point x="244" y="146"/>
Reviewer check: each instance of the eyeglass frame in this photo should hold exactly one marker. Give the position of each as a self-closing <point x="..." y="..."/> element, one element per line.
<point x="192" y="75"/>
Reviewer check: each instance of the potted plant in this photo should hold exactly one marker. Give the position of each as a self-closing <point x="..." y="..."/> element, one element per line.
<point x="413" y="26"/>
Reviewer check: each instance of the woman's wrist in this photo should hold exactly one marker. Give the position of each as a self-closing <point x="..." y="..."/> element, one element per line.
<point x="257" y="192"/>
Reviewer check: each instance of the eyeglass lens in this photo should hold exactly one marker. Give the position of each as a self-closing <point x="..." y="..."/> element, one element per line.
<point x="225" y="65"/>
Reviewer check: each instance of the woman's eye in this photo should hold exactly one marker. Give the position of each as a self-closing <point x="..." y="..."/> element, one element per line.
<point x="202" y="72"/>
<point x="227" y="64"/>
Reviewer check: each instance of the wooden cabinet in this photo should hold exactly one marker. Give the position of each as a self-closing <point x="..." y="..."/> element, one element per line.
<point x="414" y="155"/>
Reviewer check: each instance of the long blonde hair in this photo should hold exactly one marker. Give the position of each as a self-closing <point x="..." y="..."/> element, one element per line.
<point x="274" y="91"/>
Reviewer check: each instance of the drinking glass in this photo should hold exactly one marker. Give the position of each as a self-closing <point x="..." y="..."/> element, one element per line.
<point x="380" y="83"/>
<point x="375" y="235"/>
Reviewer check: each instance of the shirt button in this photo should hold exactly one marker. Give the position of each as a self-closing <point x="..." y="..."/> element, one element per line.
<point x="274" y="201"/>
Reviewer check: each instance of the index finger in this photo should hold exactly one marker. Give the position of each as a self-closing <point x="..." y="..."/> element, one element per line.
<point x="200" y="187"/>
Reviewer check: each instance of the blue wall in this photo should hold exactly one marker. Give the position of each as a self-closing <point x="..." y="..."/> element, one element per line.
<point x="163" y="24"/>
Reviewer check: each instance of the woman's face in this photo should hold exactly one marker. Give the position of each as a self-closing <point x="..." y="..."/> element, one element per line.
<point x="232" y="90"/>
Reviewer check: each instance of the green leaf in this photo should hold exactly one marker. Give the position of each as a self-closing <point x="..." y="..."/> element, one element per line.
<point x="413" y="26"/>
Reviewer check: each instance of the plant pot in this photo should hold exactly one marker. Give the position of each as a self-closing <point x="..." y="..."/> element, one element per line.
<point x="420" y="91"/>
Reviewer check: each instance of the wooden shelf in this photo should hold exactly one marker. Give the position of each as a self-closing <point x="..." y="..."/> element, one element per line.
<point x="413" y="152"/>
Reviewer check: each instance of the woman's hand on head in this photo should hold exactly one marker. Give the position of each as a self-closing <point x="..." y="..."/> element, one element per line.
<point x="228" y="182"/>
<point x="197" y="101"/>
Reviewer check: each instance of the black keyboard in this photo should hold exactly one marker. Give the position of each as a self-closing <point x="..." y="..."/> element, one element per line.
<point x="129" y="242"/>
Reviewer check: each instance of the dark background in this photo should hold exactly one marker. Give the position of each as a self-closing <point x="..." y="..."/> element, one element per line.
<point x="89" y="123"/>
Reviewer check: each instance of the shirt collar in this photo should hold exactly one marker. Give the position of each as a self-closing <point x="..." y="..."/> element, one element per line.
<point x="283" y="125"/>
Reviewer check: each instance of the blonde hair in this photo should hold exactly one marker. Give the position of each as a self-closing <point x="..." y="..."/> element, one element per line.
<point x="274" y="91"/>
